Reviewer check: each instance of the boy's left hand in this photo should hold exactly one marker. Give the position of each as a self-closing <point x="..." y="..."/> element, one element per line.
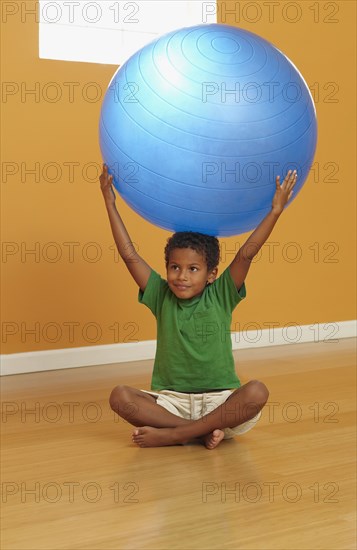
<point x="284" y="191"/>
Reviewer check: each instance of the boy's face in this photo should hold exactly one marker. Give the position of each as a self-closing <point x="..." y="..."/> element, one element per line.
<point x="187" y="273"/>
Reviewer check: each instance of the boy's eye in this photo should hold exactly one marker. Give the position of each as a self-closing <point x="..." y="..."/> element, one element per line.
<point x="176" y="267"/>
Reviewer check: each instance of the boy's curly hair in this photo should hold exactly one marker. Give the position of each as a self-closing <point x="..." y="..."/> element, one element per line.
<point x="203" y="244"/>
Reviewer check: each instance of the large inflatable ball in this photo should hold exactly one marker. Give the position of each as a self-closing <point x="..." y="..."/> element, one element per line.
<point x="196" y="126"/>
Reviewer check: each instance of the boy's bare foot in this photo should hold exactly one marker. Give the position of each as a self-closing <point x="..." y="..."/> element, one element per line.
<point x="159" y="437"/>
<point x="213" y="439"/>
<point x="155" y="437"/>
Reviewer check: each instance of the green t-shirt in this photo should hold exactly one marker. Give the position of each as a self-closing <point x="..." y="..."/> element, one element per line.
<point x="194" y="347"/>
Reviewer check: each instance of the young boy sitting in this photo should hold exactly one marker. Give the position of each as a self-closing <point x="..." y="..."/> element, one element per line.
<point x="195" y="390"/>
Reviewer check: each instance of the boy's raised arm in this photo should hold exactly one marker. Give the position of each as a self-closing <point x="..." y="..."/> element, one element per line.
<point x="241" y="263"/>
<point x="138" y="268"/>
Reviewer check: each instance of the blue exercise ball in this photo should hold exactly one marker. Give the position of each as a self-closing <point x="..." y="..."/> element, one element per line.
<point x="196" y="125"/>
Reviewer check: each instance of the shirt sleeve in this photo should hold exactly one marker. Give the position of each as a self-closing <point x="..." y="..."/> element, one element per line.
<point x="226" y="291"/>
<point x="154" y="292"/>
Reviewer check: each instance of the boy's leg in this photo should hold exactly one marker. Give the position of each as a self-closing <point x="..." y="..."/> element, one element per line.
<point x="140" y="409"/>
<point x="242" y="405"/>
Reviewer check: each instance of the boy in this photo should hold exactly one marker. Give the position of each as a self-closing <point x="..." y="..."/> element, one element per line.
<point x="196" y="392"/>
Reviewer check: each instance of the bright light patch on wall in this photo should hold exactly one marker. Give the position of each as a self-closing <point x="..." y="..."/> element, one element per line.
<point x="110" y="32"/>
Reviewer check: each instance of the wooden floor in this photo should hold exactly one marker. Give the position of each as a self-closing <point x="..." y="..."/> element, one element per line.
<point x="71" y="477"/>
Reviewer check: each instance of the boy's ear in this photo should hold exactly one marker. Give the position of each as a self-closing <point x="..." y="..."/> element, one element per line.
<point x="212" y="275"/>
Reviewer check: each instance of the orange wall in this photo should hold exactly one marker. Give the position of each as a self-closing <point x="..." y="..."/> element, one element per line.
<point x="75" y="301"/>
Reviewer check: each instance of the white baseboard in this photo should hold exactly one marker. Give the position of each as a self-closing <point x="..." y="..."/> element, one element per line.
<point x="293" y="333"/>
<point x="254" y="336"/>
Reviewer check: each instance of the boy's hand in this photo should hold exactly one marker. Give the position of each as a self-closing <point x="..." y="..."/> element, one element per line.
<point x="106" y="185"/>
<point x="284" y="191"/>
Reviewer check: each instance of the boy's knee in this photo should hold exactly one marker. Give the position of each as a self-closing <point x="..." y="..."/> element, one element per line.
<point x="119" y="395"/>
<point x="258" y="392"/>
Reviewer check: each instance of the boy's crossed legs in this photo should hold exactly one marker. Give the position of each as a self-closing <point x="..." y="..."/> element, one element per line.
<point x="158" y="427"/>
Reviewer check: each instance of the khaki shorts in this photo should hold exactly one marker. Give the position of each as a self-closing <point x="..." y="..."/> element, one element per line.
<point x="193" y="406"/>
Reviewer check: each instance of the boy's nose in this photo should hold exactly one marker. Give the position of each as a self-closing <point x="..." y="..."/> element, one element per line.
<point x="182" y="276"/>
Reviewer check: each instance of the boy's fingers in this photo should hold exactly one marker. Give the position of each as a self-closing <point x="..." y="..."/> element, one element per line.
<point x="290" y="179"/>
<point x="290" y="176"/>
<point x="288" y="183"/>
<point x="293" y="179"/>
<point x="106" y="178"/>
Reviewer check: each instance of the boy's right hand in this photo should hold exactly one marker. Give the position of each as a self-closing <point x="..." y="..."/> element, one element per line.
<point x="106" y="185"/>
